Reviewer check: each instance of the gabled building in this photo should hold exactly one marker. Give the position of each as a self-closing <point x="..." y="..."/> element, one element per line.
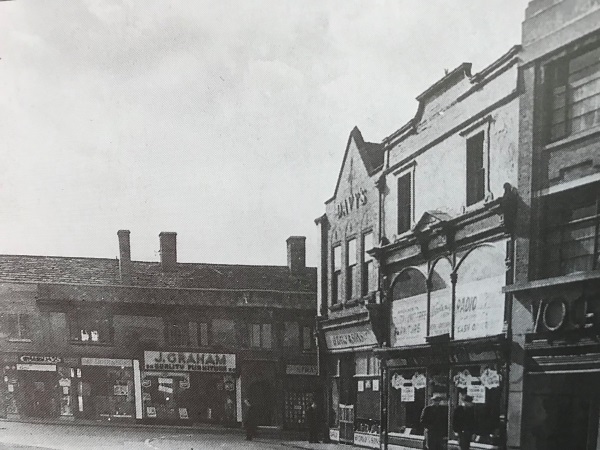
<point x="555" y="374"/>
<point x="161" y="342"/>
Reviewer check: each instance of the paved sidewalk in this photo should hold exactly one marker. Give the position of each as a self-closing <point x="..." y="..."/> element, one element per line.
<point x="306" y="445"/>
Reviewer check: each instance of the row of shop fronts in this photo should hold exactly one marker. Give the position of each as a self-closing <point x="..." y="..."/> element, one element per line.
<point x="161" y="387"/>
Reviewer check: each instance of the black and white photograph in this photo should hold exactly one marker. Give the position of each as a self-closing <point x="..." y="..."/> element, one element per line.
<point x="302" y="224"/>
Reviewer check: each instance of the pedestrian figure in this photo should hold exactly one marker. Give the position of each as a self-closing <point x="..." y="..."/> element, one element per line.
<point x="312" y="422"/>
<point x="464" y="422"/>
<point x="249" y="419"/>
<point x="229" y="412"/>
<point x="435" y="420"/>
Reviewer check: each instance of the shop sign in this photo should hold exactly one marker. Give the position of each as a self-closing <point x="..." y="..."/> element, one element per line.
<point x="440" y="318"/>
<point x="65" y="382"/>
<point x="409" y="320"/>
<point x="151" y="411"/>
<point x="349" y="338"/>
<point x="108" y="362"/>
<point x="300" y="369"/>
<point x="479" y="308"/>
<point x="38" y="359"/>
<point x="366" y="440"/>
<point x="407" y="394"/>
<point x="120" y="389"/>
<point x="334" y="435"/>
<point x="183" y="413"/>
<point x="37" y="367"/>
<point x="476" y="391"/>
<point x="189" y="361"/>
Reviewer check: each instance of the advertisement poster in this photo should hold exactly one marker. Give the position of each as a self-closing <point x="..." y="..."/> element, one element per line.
<point x="441" y="312"/>
<point x="407" y="394"/>
<point x="477" y="392"/>
<point x="479" y="308"/>
<point x="409" y="320"/>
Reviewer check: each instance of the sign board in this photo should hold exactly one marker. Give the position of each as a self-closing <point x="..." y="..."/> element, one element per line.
<point x="183" y="413"/>
<point x="366" y="440"/>
<point x="334" y="435"/>
<point x="107" y="362"/>
<point x="350" y="337"/>
<point x="441" y="312"/>
<point x="301" y="369"/>
<point x="37" y="367"/>
<point x="476" y="391"/>
<point x="407" y="394"/>
<point x="151" y="411"/>
<point x="189" y="361"/>
<point x="39" y="359"/>
<point x="409" y="320"/>
<point x="479" y="308"/>
<point x="120" y="389"/>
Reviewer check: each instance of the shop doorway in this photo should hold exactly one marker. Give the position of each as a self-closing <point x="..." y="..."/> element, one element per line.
<point x="260" y="394"/>
<point x="40" y="391"/>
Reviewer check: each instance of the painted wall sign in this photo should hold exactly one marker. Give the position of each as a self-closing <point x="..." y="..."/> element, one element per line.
<point x="441" y="312"/>
<point x="351" y="203"/>
<point x="189" y="361"/>
<point x="301" y="369"/>
<point x="37" y="367"/>
<point x="367" y="440"/>
<point x="108" y="362"/>
<point x="479" y="308"/>
<point x="334" y="435"/>
<point x="350" y="338"/>
<point x="40" y="359"/>
<point x="409" y="321"/>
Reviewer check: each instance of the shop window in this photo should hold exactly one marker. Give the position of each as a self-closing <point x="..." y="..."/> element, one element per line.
<point x="16" y="326"/>
<point x="223" y="332"/>
<point x="176" y="333"/>
<point x="291" y="335"/>
<point x="203" y="334"/>
<point x="574" y="94"/>
<point x="404" y="202"/>
<point x="475" y="169"/>
<point x="307" y="338"/>
<point x="369" y="277"/>
<point x="407" y="394"/>
<point x="573" y="232"/>
<point x="484" y="384"/>
<point x="91" y="327"/>
<point x="337" y="275"/>
<point x="351" y="269"/>
<point x="260" y="335"/>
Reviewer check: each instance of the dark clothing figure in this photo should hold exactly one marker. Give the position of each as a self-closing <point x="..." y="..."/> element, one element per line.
<point x="249" y="420"/>
<point x="435" y="420"/>
<point x="312" y="422"/>
<point x="464" y="424"/>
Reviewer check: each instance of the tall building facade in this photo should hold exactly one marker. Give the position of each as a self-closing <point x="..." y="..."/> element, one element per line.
<point x="555" y="374"/>
<point x="157" y="342"/>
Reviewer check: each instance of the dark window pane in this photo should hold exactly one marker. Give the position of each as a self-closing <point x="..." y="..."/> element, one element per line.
<point x="404" y="203"/>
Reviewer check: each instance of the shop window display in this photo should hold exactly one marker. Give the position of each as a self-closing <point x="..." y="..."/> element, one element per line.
<point x="90" y="328"/>
<point x="407" y="400"/>
<point x="107" y="392"/>
<point x="484" y="384"/>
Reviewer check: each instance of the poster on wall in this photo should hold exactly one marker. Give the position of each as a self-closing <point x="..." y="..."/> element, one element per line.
<point x="407" y="394"/>
<point x="375" y="385"/>
<point x="409" y="320"/>
<point x="151" y="411"/>
<point x="361" y="385"/>
<point x="476" y="391"/>
<point x="479" y="308"/>
<point x="441" y="312"/>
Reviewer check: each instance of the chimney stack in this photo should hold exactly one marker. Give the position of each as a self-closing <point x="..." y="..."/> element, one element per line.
<point x="168" y="250"/>
<point x="124" y="255"/>
<point x="296" y="253"/>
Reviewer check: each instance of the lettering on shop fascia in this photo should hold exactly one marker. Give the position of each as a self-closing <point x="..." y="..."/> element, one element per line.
<point x="352" y="202"/>
<point x="189" y="361"/>
<point x="40" y="359"/>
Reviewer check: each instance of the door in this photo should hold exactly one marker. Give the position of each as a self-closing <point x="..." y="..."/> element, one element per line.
<point x="260" y="394"/>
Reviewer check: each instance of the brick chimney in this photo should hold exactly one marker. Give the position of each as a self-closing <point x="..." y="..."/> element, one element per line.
<point x="296" y="253"/>
<point x="168" y="251"/>
<point x="124" y="255"/>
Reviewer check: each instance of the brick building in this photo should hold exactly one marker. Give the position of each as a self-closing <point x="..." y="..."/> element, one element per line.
<point x="555" y="373"/>
<point x="164" y="342"/>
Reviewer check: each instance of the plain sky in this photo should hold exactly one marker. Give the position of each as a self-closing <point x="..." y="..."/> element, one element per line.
<point x="225" y="121"/>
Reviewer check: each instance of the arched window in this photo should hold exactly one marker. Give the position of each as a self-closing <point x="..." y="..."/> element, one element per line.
<point x="409" y="308"/>
<point x="440" y="313"/>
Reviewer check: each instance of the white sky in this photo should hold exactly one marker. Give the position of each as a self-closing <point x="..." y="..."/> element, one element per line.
<point x="225" y="121"/>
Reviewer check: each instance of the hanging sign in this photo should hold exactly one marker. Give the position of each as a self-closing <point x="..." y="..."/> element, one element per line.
<point x="476" y="391"/>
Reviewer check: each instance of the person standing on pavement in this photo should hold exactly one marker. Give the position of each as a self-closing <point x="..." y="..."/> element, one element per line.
<point x="312" y="422"/>
<point x="464" y="422"/>
<point x="435" y="420"/>
<point x="249" y="420"/>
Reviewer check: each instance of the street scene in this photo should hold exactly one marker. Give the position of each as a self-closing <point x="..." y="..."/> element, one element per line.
<point x="314" y="225"/>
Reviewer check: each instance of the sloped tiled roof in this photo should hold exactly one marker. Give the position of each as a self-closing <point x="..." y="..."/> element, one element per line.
<point x="105" y="272"/>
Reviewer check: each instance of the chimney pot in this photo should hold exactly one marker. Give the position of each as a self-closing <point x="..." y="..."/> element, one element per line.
<point x="168" y="250"/>
<point x="296" y="253"/>
<point x="124" y="255"/>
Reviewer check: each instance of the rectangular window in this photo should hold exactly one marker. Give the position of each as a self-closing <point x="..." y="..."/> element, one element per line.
<point x="307" y="338"/>
<point x="176" y="333"/>
<point x="16" y="326"/>
<point x="369" y="278"/>
<point x="407" y="400"/>
<point x="351" y="268"/>
<point x="260" y="335"/>
<point x="475" y="169"/>
<point x="574" y="93"/>
<point x="404" y="203"/>
<point x="291" y="335"/>
<point x="337" y="275"/>
<point x="91" y="327"/>
<point x="223" y="332"/>
<point x="203" y="334"/>
<point x="573" y="232"/>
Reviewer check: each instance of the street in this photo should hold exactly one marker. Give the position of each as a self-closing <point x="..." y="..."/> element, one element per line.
<point x="15" y="435"/>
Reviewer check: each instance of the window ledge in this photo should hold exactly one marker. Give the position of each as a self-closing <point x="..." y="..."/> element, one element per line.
<point x="92" y="344"/>
<point x="573" y="138"/>
<point x="19" y="340"/>
<point x="336" y="307"/>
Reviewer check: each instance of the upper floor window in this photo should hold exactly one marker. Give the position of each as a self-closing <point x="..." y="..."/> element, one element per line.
<point x="291" y="334"/>
<point x="573" y="231"/>
<point x="369" y="279"/>
<point x="337" y="275"/>
<point x="351" y="269"/>
<point x="404" y="202"/>
<point x="260" y="335"/>
<point x="223" y="332"/>
<point x="176" y="333"/>
<point x="91" y="327"/>
<point x="203" y="334"/>
<point x="574" y="94"/>
<point x="475" y="169"/>
<point x="308" y="342"/>
<point x="16" y="326"/>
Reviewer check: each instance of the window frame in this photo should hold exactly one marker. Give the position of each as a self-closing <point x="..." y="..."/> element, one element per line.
<point x="405" y="217"/>
<point x="170" y="324"/>
<point x="77" y="316"/>
<point x="368" y="265"/>
<point x="24" y="333"/>
<point x="476" y="177"/>
<point x="264" y="329"/>
<point x="351" y="266"/>
<point x="336" y="279"/>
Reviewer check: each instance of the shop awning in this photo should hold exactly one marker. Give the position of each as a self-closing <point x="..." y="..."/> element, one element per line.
<point x="559" y="364"/>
